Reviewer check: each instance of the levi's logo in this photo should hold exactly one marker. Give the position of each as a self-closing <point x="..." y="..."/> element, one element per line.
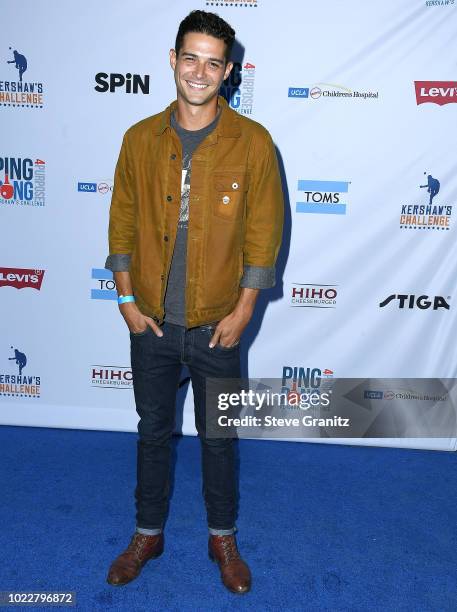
<point x="21" y="277"/>
<point x="436" y="92"/>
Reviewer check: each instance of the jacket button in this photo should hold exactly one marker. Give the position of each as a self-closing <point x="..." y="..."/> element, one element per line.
<point x="169" y="198"/>
<point x="165" y="238"/>
<point x="172" y="156"/>
<point x="225" y="199"/>
<point x="162" y="277"/>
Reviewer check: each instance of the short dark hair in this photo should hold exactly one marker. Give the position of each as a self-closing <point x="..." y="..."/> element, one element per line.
<point x="206" y="23"/>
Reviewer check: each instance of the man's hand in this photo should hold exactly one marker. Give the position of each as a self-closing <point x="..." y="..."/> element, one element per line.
<point x="136" y="321"/>
<point x="229" y="329"/>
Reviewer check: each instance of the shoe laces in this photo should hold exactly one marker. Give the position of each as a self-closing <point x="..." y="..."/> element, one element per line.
<point x="230" y="549"/>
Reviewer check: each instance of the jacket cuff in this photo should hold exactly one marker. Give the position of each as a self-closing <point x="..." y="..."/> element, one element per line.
<point x="257" y="277"/>
<point x="119" y="262"/>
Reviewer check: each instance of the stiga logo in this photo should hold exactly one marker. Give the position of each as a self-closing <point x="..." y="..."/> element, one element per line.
<point x="24" y="181"/>
<point x="327" y="90"/>
<point x="128" y="83"/>
<point x="20" y="278"/>
<point x="313" y="296"/>
<point x="17" y="92"/>
<point x="323" y="197"/>
<point x="238" y="88"/>
<point x="105" y="287"/>
<point x="102" y="188"/>
<point x="111" y="377"/>
<point x="423" y="302"/>
<point x="297" y="379"/>
<point x="427" y="216"/>
<point x="436" y="92"/>
<point x="19" y="384"/>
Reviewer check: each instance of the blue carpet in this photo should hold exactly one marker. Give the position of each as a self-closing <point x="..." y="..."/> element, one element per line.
<point x="322" y="527"/>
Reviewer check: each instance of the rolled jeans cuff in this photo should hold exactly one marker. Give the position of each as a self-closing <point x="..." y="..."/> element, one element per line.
<point x="148" y="531"/>
<point x="222" y="532"/>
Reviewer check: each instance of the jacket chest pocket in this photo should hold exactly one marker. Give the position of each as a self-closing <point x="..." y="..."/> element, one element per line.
<point x="229" y="192"/>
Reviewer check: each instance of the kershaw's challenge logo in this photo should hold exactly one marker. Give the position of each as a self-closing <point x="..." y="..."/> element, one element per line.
<point x="21" y="277"/>
<point x="20" y="93"/>
<point x="427" y="216"/>
<point x="20" y="384"/>
<point x="24" y="181"/>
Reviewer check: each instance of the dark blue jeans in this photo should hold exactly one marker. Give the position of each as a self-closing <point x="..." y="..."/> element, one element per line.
<point x="156" y="367"/>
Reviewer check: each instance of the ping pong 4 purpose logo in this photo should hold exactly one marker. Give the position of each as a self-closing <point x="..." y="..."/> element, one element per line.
<point x="22" y="182"/>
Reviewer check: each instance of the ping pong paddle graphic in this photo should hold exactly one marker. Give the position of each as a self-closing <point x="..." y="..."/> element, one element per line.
<point x="6" y="190"/>
<point x="293" y="397"/>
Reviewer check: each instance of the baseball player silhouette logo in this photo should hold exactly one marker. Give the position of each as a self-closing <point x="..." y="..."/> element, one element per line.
<point x="20" y="63"/>
<point x="432" y="186"/>
<point x="20" y="359"/>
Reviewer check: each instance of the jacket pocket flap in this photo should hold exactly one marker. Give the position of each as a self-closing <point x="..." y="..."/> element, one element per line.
<point x="230" y="181"/>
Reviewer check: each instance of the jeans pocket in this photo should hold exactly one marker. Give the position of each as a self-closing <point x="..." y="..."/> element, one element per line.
<point x="141" y="333"/>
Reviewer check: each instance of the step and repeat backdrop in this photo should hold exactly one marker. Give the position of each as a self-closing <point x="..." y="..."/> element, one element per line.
<point x="361" y="101"/>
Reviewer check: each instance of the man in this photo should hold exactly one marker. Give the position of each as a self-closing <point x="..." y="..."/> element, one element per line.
<point x="195" y="228"/>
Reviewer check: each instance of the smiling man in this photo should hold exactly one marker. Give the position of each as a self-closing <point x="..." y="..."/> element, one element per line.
<point x="195" y="229"/>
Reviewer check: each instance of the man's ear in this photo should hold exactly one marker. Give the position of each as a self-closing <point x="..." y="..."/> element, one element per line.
<point x="172" y="58"/>
<point x="228" y="69"/>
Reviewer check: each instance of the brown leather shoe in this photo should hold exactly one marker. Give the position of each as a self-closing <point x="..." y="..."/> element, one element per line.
<point x="129" y="564"/>
<point x="235" y="573"/>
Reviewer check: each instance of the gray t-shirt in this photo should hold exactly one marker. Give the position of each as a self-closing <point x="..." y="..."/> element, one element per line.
<point x="175" y="296"/>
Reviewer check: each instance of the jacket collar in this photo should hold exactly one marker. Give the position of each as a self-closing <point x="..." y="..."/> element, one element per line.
<point x="228" y="125"/>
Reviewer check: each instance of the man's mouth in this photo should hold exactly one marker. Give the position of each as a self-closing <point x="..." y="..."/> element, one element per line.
<point x="195" y="85"/>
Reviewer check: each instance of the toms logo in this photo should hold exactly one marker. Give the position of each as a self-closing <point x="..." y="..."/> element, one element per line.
<point x="422" y="301"/>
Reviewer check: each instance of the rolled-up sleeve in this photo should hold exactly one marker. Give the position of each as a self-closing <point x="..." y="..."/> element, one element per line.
<point x="264" y="215"/>
<point x="122" y="217"/>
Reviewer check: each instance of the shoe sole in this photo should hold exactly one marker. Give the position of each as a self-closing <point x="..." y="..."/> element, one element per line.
<point x="134" y="578"/>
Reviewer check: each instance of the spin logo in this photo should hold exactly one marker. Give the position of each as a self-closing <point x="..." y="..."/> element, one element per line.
<point x="238" y="88"/>
<point x="17" y="382"/>
<point x="17" y="92"/>
<point x="22" y="182"/>
<point x="104" y="287"/>
<point x="431" y="213"/>
<point x="128" y="83"/>
<point x="313" y="296"/>
<point x="322" y="197"/>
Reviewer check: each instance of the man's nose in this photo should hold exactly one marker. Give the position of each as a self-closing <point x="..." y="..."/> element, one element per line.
<point x="200" y="70"/>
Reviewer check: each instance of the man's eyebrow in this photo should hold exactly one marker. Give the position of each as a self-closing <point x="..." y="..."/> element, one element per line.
<point x="211" y="59"/>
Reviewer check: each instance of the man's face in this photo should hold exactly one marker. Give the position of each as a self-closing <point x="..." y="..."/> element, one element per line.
<point x="200" y="68"/>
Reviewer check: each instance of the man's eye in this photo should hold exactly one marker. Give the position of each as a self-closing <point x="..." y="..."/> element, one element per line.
<point x="214" y="65"/>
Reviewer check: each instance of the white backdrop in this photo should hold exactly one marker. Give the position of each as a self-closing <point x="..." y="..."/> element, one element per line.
<point x="335" y="85"/>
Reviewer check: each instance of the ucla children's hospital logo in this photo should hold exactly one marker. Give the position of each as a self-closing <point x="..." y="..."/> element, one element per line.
<point x="433" y="213"/>
<point x="104" y="286"/>
<point x="22" y="181"/>
<point x="322" y="197"/>
<point x="102" y="188"/>
<point x="20" y="383"/>
<point x="19" y="92"/>
<point x="327" y="90"/>
<point x="238" y="88"/>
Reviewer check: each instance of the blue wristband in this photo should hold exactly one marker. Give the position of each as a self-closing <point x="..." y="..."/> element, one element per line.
<point x="123" y="299"/>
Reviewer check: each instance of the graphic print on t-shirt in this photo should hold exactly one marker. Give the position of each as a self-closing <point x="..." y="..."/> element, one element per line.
<point x="185" y="190"/>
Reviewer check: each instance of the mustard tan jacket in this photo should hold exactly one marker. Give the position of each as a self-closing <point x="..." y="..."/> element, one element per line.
<point x="235" y="213"/>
